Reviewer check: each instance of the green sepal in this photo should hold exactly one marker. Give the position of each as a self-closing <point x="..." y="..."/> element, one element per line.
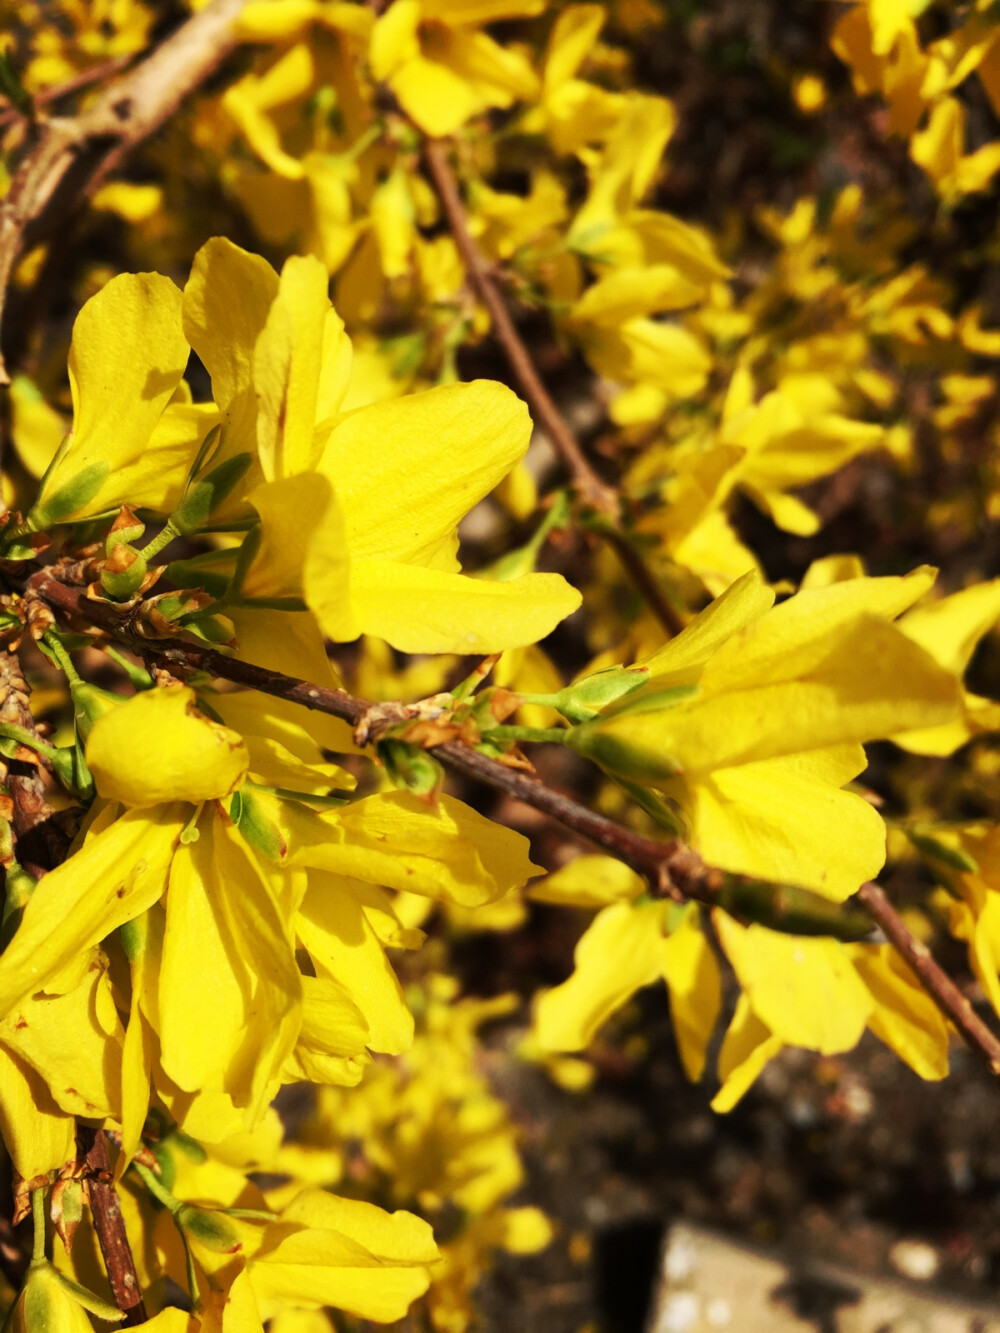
<point x="121" y="584"/>
<point x="517" y="563"/>
<point x="83" y="1296"/>
<point x="90" y="702"/>
<point x="70" y="767"/>
<point x="250" y="816"/>
<point x="209" y="1228"/>
<point x="791" y="910"/>
<point x="584" y="699"/>
<point x="939" y="853"/>
<point x="620" y="757"/>
<point x="205" y="495"/>
<point x="411" y="768"/>
<point x="70" y="497"/>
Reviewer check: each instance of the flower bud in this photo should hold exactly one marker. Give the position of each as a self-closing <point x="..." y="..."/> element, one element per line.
<point x="127" y="528"/>
<point x="586" y="698"/>
<point x="411" y="769"/>
<point x="51" y="1303"/>
<point x="89" y="703"/>
<point x="124" y="572"/>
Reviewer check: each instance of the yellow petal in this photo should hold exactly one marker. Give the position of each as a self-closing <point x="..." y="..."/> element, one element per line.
<point x="348" y="1254"/>
<point x="805" y="990"/>
<point x="291" y="642"/>
<point x="393" y="839"/>
<point x="618" y="953"/>
<point x="332" y="927"/>
<point x="746" y="1049"/>
<point x="113" y="877"/>
<point x="420" y="610"/>
<point x="127" y="357"/>
<point x="36" y="429"/>
<point x="950" y="628"/>
<point x="787" y="821"/>
<point x="193" y="1052"/>
<point x="628" y="292"/>
<point x="404" y="472"/>
<point x="156" y="747"/>
<point x="571" y="41"/>
<point x="290" y="360"/>
<point x="905" y="1017"/>
<point x="589" y="881"/>
<point x="38" y="1136"/>
<point x="292" y="511"/>
<point x="226" y="303"/>
<point x="866" y="681"/>
<point x="62" y="1039"/>
<point x="694" y="983"/>
<point x="743" y="603"/>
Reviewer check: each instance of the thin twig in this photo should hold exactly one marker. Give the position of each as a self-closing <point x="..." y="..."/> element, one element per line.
<point x="40" y="837"/>
<point x="976" y="1035"/>
<point x="595" y="492"/>
<point x="85" y="78"/>
<point x="66" y="157"/>
<point x="671" y="868"/>
<point x="110" y="1225"/>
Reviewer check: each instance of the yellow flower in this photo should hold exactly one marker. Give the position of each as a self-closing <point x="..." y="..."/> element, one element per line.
<point x="359" y="510"/>
<point x="753" y="720"/>
<point x="442" y="68"/>
<point x="134" y="434"/>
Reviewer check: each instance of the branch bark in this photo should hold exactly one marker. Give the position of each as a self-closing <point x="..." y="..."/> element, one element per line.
<point x="589" y="486"/>
<point x="671" y="868"/>
<point x="936" y="981"/>
<point x="110" y="1225"/>
<point x="67" y="157"/>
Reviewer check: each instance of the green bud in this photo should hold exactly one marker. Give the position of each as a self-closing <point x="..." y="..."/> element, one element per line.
<point x="124" y="573"/>
<point x="89" y="703"/>
<point x="794" y="911"/>
<point x="411" y="768"/>
<point x="209" y="1228"/>
<point x="205" y="495"/>
<point x="18" y="888"/>
<point x="586" y="698"/>
<point x="70" y="767"/>
<point x="127" y="528"/>
<point x="941" y="853"/>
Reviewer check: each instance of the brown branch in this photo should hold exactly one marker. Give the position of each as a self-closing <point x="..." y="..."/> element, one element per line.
<point x="41" y="840"/>
<point x="595" y="492"/>
<point x="671" y="868"/>
<point x="66" y="158"/>
<point x="86" y="78"/>
<point x="109" y="1224"/>
<point x="949" y="999"/>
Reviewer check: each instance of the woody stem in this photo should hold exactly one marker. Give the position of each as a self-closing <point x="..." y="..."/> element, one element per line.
<point x="589" y="486"/>
<point x="671" y="868"/>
